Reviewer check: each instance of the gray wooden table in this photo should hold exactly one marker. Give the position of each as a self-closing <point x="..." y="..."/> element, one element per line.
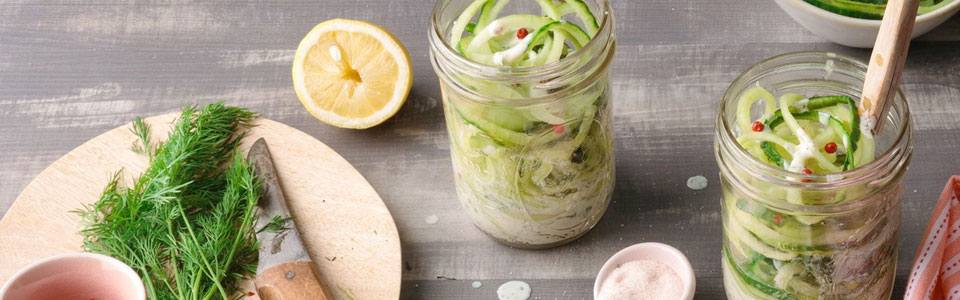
<point x="70" y="70"/>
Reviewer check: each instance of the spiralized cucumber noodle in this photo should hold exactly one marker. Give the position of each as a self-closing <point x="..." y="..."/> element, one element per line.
<point x="494" y="41"/>
<point x="811" y="124"/>
<point x="534" y="174"/>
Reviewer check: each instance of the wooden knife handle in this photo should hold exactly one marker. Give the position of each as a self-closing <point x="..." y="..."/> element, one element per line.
<point x="291" y="281"/>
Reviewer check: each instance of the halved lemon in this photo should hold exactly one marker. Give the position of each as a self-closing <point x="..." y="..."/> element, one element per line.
<point x="351" y="74"/>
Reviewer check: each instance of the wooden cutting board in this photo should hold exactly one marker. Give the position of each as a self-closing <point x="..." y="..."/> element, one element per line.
<point x="345" y="225"/>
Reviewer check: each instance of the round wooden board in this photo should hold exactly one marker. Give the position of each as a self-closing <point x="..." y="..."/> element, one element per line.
<point x="347" y="229"/>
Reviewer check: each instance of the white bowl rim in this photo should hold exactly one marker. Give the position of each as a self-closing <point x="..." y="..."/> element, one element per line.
<point x="689" y="282"/>
<point x="874" y="23"/>
<point x="120" y="266"/>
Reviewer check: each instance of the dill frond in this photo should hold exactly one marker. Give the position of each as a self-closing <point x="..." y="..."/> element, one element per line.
<point x="142" y="131"/>
<point x="186" y="224"/>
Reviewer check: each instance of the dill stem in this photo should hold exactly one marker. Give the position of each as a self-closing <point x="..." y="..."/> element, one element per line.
<point x="173" y="257"/>
<point x="146" y="278"/>
<point x="196" y="287"/>
<point x="203" y="258"/>
<point x="245" y="225"/>
<point x="151" y="291"/>
<point x="210" y="292"/>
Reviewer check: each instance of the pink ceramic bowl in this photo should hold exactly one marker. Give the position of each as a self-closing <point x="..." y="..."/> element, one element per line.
<point x="80" y="276"/>
<point x="663" y="253"/>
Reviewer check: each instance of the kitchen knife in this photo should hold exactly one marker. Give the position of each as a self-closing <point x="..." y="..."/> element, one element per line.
<point x="285" y="270"/>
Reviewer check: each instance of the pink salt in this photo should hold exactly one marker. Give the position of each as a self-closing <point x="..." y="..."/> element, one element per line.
<point x="642" y="280"/>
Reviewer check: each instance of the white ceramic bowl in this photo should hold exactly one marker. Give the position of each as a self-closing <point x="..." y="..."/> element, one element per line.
<point x="651" y="251"/>
<point x="74" y="276"/>
<point x="856" y="32"/>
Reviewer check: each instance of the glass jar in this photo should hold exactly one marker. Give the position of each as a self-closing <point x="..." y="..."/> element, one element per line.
<point x="789" y="235"/>
<point x="532" y="147"/>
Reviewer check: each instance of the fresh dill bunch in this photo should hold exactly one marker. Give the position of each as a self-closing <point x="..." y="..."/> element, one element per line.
<point x="186" y="224"/>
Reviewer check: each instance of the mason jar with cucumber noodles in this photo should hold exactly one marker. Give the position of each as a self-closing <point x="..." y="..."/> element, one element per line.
<point x="528" y="111"/>
<point x="811" y="196"/>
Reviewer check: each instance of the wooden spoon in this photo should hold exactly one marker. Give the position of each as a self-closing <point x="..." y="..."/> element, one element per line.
<point x="886" y="61"/>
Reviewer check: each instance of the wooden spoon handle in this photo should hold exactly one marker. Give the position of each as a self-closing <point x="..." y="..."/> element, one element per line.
<point x="291" y="281"/>
<point x="886" y="61"/>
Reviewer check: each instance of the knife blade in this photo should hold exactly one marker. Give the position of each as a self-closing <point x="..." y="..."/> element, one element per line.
<point x="285" y="270"/>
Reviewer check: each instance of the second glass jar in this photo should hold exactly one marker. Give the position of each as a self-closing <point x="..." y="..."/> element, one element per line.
<point x="532" y="147"/>
<point x="789" y="235"/>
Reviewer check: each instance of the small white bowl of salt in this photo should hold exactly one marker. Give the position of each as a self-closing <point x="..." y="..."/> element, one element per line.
<point x="648" y="271"/>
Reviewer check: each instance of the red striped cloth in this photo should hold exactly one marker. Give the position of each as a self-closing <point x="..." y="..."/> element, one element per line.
<point x="936" y="268"/>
